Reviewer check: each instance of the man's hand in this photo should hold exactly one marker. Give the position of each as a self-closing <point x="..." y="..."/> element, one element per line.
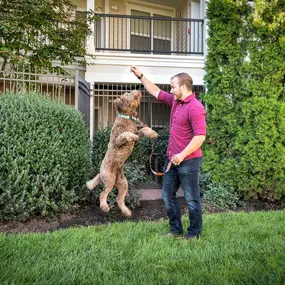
<point x="149" y="86"/>
<point x="194" y="144"/>
<point x="177" y="158"/>
<point x="135" y="71"/>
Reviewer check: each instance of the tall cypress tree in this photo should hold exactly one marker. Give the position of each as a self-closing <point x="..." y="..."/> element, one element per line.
<point x="245" y="77"/>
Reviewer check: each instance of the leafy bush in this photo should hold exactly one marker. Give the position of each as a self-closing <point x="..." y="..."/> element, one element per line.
<point x="205" y="181"/>
<point x="222" y="195"/>
<point x="99" y="147"/>
<point x="161" y="143"/>
<point x="143" y="149"/>
<point x="44" y="156"/>
<point x="245" y="97"/>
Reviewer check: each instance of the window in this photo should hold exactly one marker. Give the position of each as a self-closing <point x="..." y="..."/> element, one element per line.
<point x="150" y="34"/>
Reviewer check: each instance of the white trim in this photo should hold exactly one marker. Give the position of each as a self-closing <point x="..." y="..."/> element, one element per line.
<point x="157" y="58"/>
<point x="146" y="57"/>
<point x="108" y="67"/>
<point x="149" y="7"/>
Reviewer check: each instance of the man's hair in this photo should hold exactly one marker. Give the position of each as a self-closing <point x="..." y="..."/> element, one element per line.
<point x="184" y="79"/>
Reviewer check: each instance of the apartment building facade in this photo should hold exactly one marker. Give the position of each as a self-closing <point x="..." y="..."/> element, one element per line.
<point x="162" y="38"/>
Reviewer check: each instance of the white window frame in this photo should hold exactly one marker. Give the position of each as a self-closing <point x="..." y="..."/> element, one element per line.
<point x="151" y="9"/>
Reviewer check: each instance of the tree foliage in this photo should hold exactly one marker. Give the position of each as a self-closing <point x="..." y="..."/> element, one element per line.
<point x="39" y="32"/>
<point x="245" y="80"/>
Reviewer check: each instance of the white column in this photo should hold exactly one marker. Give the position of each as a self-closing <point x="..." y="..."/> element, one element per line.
<point x="205" y="33"/>
<point x="90" y="40"/>
<point x="205" y="27"/>
<point x="91" y="49"/>
<point x="91" y="127"/>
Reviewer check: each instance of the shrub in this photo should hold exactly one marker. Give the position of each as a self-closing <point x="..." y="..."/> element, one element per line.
<point x="99" y="147"/>
<point x="160" y="145"/>
<point x="205" y="181"/>
<point x="222" y="195"/>
<point x="143" y="149"/>
<point x="44" y="156"/>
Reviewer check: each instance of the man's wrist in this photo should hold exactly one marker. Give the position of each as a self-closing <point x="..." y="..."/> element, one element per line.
<point x="183" y="155"/>
<point x="140" y="76"/>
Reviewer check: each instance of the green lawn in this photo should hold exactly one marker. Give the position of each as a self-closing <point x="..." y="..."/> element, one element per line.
<point x="235" y="248"/>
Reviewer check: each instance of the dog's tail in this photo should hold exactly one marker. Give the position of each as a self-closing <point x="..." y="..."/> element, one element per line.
<point x="91" y="184"/>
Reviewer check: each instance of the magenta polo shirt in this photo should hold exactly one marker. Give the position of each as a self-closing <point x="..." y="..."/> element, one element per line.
<point x="187" y="119"/>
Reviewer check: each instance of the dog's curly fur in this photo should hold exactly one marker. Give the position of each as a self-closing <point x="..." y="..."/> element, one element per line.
<point x="123" y="137"/>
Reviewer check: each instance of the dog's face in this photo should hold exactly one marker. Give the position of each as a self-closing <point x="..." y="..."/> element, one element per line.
<point x="128" y="103"/>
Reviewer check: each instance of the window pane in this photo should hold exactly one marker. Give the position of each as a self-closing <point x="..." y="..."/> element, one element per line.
<point x="161" y="35"/>
<point x="162" y="29"/>
<point x="140" y="26"/>
<point x="140" y="32"/>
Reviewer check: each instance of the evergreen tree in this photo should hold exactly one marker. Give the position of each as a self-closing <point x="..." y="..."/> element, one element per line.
<point x="245" y="77"/>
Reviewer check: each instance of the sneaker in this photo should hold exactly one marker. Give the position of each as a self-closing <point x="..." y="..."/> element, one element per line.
<point x="193" y="237"/>
<point x="175" y="234"/>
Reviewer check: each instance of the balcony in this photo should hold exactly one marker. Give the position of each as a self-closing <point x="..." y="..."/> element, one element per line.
<point x="149" y="35"/>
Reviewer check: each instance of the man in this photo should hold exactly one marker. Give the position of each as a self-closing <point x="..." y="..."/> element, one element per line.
<point x="187" y="134"/>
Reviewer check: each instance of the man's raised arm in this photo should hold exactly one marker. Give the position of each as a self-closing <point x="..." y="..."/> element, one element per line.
<point x="149" y="86"/>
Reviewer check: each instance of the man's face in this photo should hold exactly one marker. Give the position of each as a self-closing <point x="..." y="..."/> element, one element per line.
<point x="175" y="89"/>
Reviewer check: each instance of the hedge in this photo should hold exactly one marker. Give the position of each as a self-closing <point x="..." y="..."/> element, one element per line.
<point x="245" y="98"/>
<point x="44" y="156"/>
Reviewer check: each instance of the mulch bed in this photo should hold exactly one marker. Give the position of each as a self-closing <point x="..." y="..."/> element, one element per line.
<point x="91" y="214"/>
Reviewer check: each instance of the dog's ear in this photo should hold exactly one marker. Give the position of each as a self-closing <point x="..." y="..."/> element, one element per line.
<point x="118" y="103"/>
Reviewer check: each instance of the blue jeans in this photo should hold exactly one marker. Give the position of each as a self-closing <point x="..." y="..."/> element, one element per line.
<point x="185" y="175"/>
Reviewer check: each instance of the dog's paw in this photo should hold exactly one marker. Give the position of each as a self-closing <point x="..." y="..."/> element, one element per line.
<point x="126" y="212"/>
<point x="104" y="207"/>
<point x="148" y="132"/>
<point x="133" y="138"/>
<point x="153" y="135"/>
<point x="89" y="185"/>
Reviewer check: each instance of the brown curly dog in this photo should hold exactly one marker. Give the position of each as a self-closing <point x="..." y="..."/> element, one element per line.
<point x="123" y="137"/>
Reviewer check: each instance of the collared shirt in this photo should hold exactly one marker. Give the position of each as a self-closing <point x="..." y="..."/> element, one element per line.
<point x="187" y="119"/>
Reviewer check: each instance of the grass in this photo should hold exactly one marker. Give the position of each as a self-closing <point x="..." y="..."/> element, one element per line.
<point x="235" y="248"/>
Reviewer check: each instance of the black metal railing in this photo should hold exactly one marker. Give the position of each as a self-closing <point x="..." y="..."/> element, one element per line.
<point x="149" y="35"/>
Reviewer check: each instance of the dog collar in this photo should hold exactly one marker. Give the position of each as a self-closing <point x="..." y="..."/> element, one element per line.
<point x="128" y="117"/>
<point x="134" y="119"/>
